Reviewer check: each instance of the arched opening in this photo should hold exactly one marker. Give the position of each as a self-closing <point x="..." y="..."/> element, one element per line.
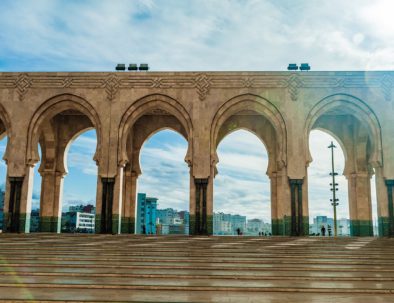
<point x="242" y="189"/>
<point x="321" y="211"/>
<point x="262" y="118"/>
<point x="356" y="128"/>
<point x="143" y="119"/>
<point x="163" y="186"/>
<point x="80" y="184"/>
<point x="55" y="125"/>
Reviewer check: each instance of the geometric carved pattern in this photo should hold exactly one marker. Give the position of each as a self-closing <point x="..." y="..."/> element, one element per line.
<point x="293" y="84"/>
<point x="203" y="84"/>
<point x="22" y="84"/>
<point x="111" y="85"/>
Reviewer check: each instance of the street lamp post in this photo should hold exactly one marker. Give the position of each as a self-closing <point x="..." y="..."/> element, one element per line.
<point x="334" y="188"/>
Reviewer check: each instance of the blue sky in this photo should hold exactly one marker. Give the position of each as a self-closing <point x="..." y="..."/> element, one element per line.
<point x="53" y="35"/>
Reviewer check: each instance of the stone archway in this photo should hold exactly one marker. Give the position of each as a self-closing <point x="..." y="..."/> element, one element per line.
<point x="144" y="118"/>
<point x="55" y="124"/>
<point x="259" y="116"/>
<point x="358" y="130"/>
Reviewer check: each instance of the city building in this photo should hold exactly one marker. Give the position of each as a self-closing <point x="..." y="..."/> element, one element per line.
<point x="146" y="214"/>
<point x="227" y="224"/>
<point x="170" y="221"/>
<point x="257" y="227"/>
<point x="79" y="218"/>
<point x="343" y="226"/>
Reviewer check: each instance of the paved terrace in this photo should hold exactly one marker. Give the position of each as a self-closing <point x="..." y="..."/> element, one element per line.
<point x="105" y="268"/>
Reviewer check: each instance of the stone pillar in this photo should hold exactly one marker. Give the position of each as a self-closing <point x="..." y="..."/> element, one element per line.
<point x="388" y="226"/>
<point x="382" y="202"/>
<point x="202" y="219"/>
<point x="51" y="201"/>
<point x="105" y="192"/>
<point x="297" y="218"/>
<point x="360" y="208"/>
<point x="280" y="203"/>
<point x="129" y="199"/>
<point x="17" y="206"/>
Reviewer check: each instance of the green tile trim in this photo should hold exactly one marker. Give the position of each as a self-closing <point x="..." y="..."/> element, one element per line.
<point x="50" y="224"/>
<point x="127" y="225"/>
<point x="281" y="226"/>
<point x="116" y="224"/>
<point x="23" y="224"/>
<point x="192" y="224"/>
<point x="361" y="228"/>
<point x="210" y="225"/>
<point x="97" y="224"/>
<point x="384" y="227"/>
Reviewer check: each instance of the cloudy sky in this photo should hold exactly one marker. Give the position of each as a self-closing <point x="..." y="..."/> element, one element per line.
<point x="51" y="35"/>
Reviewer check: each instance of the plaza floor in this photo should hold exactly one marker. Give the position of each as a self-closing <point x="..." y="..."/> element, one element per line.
<point x="124" y="268"/>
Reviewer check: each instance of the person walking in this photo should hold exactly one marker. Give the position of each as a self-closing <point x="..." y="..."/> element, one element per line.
<point x="323" y="231"/>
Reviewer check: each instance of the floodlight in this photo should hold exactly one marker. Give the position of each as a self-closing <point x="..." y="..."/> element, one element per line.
<point x="120" y="66"/>
<point x="292" y="66"/>
<point x="132" y="66"/>
<point x="143" y="67"/>
<point x="305" y="66"/>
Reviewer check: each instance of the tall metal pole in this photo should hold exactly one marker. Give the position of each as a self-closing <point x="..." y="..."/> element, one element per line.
<point x="334" y="200"/>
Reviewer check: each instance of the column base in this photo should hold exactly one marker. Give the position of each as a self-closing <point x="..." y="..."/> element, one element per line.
<point x="22" y="226"/>
<point x="192" y="225"/>
<point x="361" y="228"/>
<point x="49" y="224"/>
<point x="282" y="226"/>
<point x="384" y="227"/>
<point x="115" y="228"/>
<point x="127" y="225"/>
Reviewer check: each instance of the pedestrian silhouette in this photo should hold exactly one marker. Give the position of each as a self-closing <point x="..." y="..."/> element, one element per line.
<point x="323" y="231"/>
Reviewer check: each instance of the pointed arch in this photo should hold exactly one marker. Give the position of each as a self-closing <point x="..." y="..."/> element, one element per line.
<point x="51" y="108"/>
<point x="356" y="108"/>
<point x="260" y="106"/>
<point x="149" y="104"/>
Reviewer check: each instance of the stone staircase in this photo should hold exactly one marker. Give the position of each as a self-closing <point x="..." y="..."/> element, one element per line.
<point x="125" y="268"/>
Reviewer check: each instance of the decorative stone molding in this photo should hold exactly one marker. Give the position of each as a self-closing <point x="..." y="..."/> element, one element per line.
<point x="202" y="84"/>
<point x="111" y="85"/>
<point x="22" y="84"/>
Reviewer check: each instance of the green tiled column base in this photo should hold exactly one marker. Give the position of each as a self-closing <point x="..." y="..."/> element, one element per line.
<point x="305" y="224"/>
<point x="127" y="225"/>
<point x="97" y="224"/>
<point x="115" y="225"/>
<point x="384" y="227"/>
<point x="281" y="227"/>
<point x="23" y="224"/>
<point x="192" y="225"/>
<point x="50" y="224"/>
<point x="210" y="225"/>
<point x="361" y="228"/>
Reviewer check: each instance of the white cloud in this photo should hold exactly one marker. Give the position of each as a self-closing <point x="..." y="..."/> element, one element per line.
<point x="197" y="35"/>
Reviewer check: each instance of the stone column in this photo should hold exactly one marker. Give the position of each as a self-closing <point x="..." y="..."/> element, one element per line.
<point x="51" y="201"/>
<point x="280" y="203"/>
<point x="129" y="202"/>
<point x="388" y="228"/>
<point x="382" y="191"/>
<point x="105" y="192"/>
<point x="202" y="219"/>
<point x="360" y="208"/>
<point x="297" y="218"/>
<point x="17" y="202"/>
